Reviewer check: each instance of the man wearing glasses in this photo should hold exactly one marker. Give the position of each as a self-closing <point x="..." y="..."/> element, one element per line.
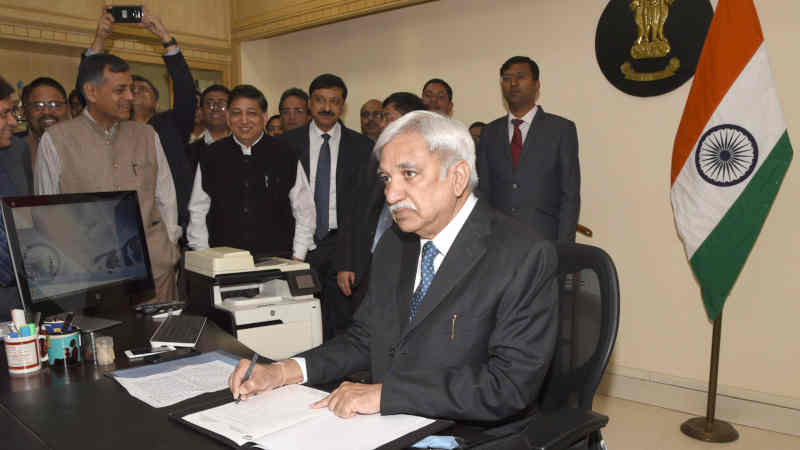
<point x="293" y="108"/>
<point x="213" y="104"/>
<point x="372" y="119"/>
<point x="438" y="96"/>
<point x="15" y="179"/>
<point x="44" y="103"/>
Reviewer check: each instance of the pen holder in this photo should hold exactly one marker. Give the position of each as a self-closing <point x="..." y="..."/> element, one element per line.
<point x="64" y="350"/>
<point x="24" y="354"/>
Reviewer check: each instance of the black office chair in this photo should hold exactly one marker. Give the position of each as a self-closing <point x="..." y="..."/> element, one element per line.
<point x="589" y="318"/>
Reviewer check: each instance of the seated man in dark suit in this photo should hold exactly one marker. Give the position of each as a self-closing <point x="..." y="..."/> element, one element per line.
<point x="460" y="319"/>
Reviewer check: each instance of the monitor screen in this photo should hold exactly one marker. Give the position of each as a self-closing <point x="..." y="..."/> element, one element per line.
<point x="76" y="251"/>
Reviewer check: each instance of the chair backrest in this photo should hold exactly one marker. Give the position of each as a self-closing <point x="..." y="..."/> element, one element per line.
<point x="588" y="322"/>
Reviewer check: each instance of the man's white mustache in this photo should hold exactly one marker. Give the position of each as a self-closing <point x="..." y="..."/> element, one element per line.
<point x="400" y="205"/>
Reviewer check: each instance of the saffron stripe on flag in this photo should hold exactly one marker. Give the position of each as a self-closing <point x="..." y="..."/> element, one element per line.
<point x="734" y="28"/>
<point x="698" y="205"/>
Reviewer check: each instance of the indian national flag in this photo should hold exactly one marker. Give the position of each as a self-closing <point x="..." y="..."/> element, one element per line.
<point x="731" y="151"/>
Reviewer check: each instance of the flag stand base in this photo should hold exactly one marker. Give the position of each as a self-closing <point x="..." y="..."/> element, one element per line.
<point x="707" y="428"/>
<point x="715" y="431"/>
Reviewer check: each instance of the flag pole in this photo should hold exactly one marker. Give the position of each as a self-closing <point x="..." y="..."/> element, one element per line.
<point x="707" y="428"/>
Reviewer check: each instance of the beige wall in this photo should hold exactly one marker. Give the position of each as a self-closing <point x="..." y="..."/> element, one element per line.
<point x="21" y="64"/>
<point x="626" y="143"/>
<point x="47" y="38"/>
<point x="202" y="19"/>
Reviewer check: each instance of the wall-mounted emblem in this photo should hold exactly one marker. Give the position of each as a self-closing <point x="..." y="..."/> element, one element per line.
<point x="651" y="47"/>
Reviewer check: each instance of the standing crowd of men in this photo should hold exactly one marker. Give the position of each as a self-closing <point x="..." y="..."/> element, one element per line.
<point x="217" y="170"/>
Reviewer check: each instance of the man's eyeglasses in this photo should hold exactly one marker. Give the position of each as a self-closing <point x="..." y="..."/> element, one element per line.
<point x="138" y="89"/>
<point x="288" y="111"/>
<point x="377" y="115"/>
<point x="40" y="106"/>
<point x="216" y="106"/>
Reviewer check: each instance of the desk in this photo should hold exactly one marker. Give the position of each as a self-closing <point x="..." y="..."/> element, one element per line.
<point x="80" y="408"/>
<point x="83" y="409"/>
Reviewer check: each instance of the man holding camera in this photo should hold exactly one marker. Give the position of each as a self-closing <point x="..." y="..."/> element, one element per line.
<point x="102" y="150"/>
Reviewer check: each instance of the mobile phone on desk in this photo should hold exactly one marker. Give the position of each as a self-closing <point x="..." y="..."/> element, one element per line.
<point x="142" y="352"/>
<point x="126" y="14"/>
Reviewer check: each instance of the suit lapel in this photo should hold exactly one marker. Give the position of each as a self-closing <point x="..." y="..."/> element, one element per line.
<point x="408" y="269"/>
<point x="305" y="152"/>
<point x="504" y="143"/>
<point x="341" y="164"/>
<point x="467" y="250"/>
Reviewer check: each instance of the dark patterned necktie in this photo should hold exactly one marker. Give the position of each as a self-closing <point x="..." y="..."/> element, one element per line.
<point x="516" y="142"/>
<point x="322" y="188"/>
<point x="429" y="252"/>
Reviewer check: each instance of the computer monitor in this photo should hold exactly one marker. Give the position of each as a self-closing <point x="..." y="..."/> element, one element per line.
<point x="77" y="252"/>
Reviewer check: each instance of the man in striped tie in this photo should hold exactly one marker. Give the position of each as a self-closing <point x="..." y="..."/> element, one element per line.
<point x="460" y="316"/>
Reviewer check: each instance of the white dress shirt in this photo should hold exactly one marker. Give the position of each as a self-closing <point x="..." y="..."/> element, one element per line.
<point x="442" y="241"/>
<point x="300" y="198"/>
<point x="47" y="178"/>
<point x="208" y="139"/>
<point x="524" y="126"/>
<point x="315" y="142"/>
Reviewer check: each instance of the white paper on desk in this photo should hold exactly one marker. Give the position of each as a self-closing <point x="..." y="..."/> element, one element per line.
<point x="164" y="389"/>
<point x="282" y="420"/>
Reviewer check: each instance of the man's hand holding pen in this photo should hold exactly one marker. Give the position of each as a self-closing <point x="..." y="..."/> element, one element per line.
<point x="264" y="377"/>
<point x="348" y="400"/>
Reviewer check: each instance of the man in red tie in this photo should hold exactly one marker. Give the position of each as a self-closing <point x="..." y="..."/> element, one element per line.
<point x="528" y="160"/>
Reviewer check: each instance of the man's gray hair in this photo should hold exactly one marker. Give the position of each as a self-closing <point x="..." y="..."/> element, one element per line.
<point x="450" y="138"/>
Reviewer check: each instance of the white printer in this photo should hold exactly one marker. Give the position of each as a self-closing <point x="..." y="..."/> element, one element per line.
<point x="267" y="304"/>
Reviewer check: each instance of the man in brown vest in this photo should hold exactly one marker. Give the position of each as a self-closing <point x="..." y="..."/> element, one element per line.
<point x="101" y="150"/>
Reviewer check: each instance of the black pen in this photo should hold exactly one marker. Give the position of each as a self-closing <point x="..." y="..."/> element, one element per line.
<point x="247" y="374"/>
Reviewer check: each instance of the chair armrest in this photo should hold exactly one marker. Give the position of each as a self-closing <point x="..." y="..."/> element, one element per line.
<point x="560" y="429"/>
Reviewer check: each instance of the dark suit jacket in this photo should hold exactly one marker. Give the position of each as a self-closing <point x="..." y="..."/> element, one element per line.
<point x="544" y="189"/>
<point x="354" y="154"/>
<point x="354" y="241"/>
<point x="481" y="342"/>
<point x="174" y="127"/>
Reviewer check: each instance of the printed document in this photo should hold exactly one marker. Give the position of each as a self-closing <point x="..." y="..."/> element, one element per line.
<point x="282" y="420"/>
<point x="167" y="388"/>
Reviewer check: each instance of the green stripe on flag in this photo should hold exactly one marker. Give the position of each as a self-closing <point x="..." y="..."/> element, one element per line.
<point x="720" y="258"/>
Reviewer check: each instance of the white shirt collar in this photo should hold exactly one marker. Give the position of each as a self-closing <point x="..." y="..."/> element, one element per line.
<point x="207" y="138"/>
<point x="333" y="132"/>
<point x="245" y="149"/>
<point x="444" y="240"/>
<point x="527" y="118"/>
